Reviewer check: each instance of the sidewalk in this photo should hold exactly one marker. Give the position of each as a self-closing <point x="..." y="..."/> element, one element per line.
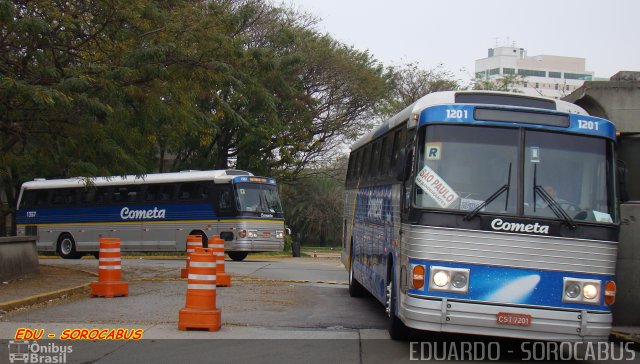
<point x="52" y="283"/>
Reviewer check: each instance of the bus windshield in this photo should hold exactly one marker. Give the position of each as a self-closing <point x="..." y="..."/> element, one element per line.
<point x="460" y="167"/>
<point x="567" y="177"/>
<point x="575" y="172"/>
<point x="255" y="197"/>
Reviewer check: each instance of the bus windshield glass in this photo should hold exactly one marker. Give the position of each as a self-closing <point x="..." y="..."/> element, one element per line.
<point x="573" y="171"/>
<point x="468" y="168"/>
<point x="460" y="167"/>
<point x="255" y="197"/>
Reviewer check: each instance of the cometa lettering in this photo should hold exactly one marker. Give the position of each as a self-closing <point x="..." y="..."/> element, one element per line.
<point x="127" y="214"/>
<point x="498" y="224"/>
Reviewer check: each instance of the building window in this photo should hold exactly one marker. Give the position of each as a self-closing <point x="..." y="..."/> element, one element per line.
<point x="524" y="84"/>
<point x="509" y="71"/>
<point x="534" y="73"/>
<point x="568" y="88"/>
<point x="537" y="85"/>
<point x="482" y="74"/>
<point x="556" y="86"/>
<point x="555" y="74"/>
<point x="577" y="76"/>
<point x="494" y="71"/>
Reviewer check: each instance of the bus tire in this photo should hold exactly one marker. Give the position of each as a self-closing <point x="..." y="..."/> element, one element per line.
<point x="237" y="256"/>
<point x="397" y="329"/>
<point x="355" y="288"/>
<point x="67" y="247"/>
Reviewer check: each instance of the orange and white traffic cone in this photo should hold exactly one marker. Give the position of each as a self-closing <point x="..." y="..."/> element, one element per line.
<point x="200" y="311"/>
<point x="193" y="242"/>
<point x="223" y="279"/>
<point x="109" y="282"/>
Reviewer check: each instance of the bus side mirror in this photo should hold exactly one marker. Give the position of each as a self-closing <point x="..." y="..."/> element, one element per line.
<point x="623" y="172"/>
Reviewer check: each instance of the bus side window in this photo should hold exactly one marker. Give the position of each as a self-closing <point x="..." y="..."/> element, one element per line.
<point x="225" y="199"/>
<point x="63" y="196"/>
<point x="383" y="165"/>
<point x="196" y="191"/>
<point x="374" y="164"/>
<point x="352" y="158"/>
<point x="28" y="199"/>
<point x="398" y="144"/>
<point x="366" y="160"/>
<point x="102" y="195"/>
<point x="357" y="167"/>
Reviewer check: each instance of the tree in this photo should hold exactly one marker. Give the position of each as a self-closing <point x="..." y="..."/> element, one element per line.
<point x="409" y="83"/>
<point x="506" y="83"/>
<point x="314" y="204"/>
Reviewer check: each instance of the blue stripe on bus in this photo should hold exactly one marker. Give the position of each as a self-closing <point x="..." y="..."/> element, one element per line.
<point x="579" y="124"/>
<point x="123" y="213"/>
<point x="518" y="286"/>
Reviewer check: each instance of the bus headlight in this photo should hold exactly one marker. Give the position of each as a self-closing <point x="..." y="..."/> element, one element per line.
<point x="252" y="234"/>
<point x="447" y="279"/>
<point x="584" y="291"/>
<point x="572" y="290"/>
<point x="589" y="291"/>
<point x="279" y="234"/>
<point x="242" y="234"/>
<point x="441" y="278"/>
<point x="459" y="280"/>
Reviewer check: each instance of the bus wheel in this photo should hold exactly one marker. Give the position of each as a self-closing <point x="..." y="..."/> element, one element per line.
<point x="397" y="329"/>
<point x="238" y="256"/>
<point x="355" y="288"/>
<point x="67" y="247"/>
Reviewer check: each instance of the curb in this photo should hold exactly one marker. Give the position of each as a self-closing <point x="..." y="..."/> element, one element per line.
<point x="625" y="336"/>
<point x="43" y="297"/>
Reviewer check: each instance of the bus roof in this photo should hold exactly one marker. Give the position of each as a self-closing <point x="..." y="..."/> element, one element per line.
<point x="449" y="97"/>
<point x="218" y="176"/>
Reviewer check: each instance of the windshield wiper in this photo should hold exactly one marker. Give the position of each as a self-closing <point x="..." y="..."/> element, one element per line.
<point x="495" y="195"/>
<point x="553" y="204"/>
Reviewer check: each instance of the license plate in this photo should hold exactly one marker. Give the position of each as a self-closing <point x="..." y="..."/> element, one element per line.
<point x="266" y="234"/>
<point x="514" y="319"/>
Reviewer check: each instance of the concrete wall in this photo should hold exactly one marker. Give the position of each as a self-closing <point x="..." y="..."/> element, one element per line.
<point x="18" y="257"/>
<point x="625" y="310"/>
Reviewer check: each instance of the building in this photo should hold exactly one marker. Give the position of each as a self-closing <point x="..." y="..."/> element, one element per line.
<point x="543" y="75"/>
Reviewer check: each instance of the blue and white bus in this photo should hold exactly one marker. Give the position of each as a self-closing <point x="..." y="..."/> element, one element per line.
<point x="153" y="213"/>
<point x="486" y="213"/>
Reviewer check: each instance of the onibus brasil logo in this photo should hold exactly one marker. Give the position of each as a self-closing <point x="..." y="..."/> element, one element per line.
<point x="34" y="352"/>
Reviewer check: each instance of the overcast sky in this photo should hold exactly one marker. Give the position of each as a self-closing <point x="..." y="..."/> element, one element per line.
<point x="457" y="32"/>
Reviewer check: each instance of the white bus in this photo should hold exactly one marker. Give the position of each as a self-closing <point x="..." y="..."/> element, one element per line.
<point x="155" y="212"/>
<point x="486" y="213"/>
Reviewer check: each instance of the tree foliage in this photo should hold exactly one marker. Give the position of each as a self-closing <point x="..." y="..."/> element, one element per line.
<point x="506" y="83"/>
<point x="409" y="82"/>
<point x="111" y="87"/>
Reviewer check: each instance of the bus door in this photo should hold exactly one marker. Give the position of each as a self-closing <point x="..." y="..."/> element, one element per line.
<point x="226" y="209"/>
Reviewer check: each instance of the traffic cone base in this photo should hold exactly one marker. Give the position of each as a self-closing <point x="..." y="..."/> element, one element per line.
<point x="110" y="289"/>
<point x="199" y="319"/>
<point x="223" y="280"/>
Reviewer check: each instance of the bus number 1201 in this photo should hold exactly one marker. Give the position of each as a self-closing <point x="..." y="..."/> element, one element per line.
<point x="456" y="114"/>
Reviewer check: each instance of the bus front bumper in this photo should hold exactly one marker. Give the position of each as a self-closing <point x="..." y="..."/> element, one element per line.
<point x="254" y="245"/>
<point x="445" y="315"/>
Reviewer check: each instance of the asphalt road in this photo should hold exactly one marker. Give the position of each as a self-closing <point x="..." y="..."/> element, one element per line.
<point x="269" y="314"/>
